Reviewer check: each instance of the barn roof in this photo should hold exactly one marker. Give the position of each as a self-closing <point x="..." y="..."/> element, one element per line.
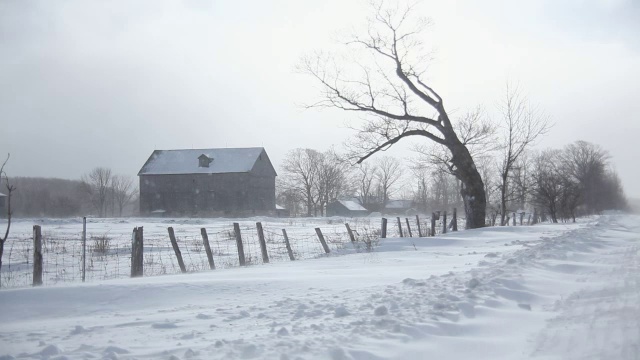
<point x="1" y="194"/>
<point x="352" y="205"/>
<point x="227" y="160"/>
<point x="399" y="204"/>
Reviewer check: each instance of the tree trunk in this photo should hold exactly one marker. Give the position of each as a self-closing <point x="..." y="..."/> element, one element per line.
<point x="1" y="252"/>
<point x="472" y="190"/>
<point x="309" y="202"/>
<point x="503" y="198"/>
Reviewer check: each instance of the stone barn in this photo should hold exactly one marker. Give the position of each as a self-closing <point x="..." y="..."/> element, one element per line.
<point x="208" y="182"/>
<point x="347" y="208"/>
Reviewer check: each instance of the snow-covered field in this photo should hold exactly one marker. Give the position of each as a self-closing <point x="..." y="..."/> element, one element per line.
<point x="564" y="291"/>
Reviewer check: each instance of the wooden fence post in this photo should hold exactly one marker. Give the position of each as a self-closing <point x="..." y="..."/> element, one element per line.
<point x="37" y="255"/>
<point x="444" y="222"/>
<point x="418" y="223"/>
<point x="207" y="248"/>
<point x="288" y="245"/>
<point x="383" y="231"/>
<point x="400" y="226"/>
<point x="455" y="219"/>
<point x="535" y="216"/>
<point x="137" y="252"/>
<point x="263" y="243"/>
<point x="521" y="218"/>
<point x="514" y="219"/>
<point x="236" y="230"/>
<point x="351" y="236"/>
<point x="408" y="227"/>
<point x="84" y="247"/>
<point x="324" y="243"/>
<point x="176" y="249"/>
<point x="433" y="224"/>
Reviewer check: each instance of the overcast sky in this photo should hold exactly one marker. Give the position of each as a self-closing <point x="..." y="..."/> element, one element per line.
<point x="97" y="83"/>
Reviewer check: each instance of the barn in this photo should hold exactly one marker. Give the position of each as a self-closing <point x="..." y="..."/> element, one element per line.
<point x="400" y="207"/>
<point x="208" y="182"/>
<point x="347" y="208"/>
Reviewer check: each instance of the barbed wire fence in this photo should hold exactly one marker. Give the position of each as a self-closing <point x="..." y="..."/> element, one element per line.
<point x="109" y="246"/>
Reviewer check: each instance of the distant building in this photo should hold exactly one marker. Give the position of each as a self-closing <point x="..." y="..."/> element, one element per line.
<point x="3" y="205"/>
<point x="281" y="211"/>
<point x="348" y="208"/>
<point x="400" y="207"/>
<point x="208" y="182"/>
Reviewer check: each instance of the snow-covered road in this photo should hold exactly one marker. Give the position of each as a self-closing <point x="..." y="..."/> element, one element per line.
<point x="549" y="291"/>
<point x="601" y="320"/>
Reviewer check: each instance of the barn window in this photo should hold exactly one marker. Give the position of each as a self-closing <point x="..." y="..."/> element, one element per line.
<point x="204" y="161"/>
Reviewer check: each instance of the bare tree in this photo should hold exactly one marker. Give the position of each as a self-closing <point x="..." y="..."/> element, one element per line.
<point x="520" y="180"/>
<point x="420" y="174"/>
<point x="569" y="198"/>
<point x="301" y="174"/>
<point x="123" y="191"/>
<point x="394" y="92"/>
<point x="587" y="163"/>
<point x="548" y="179"/>
<point x="522" y="125"/>
<point x="10" y="189"/>
<point x="97" y="183"/>
<point x="285" y="195"/>
<point x="332" y="180"/>
<point x="389" y="171"/>
<point x="363" y="178"/>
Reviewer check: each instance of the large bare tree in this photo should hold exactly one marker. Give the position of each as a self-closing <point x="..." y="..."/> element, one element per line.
<point x="522" y="124"/>
<point x="392" y="89"/>
<point x="10" y="189"/>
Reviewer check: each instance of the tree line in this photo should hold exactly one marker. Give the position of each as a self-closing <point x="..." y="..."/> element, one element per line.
<point x="98" y="193"/>
<point x="556" y="184"/>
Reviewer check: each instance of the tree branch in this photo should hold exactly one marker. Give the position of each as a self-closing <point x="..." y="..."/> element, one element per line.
<point x="394" y="140"/>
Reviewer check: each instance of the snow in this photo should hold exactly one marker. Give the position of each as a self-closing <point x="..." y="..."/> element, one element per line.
<point x="563" y="291"/>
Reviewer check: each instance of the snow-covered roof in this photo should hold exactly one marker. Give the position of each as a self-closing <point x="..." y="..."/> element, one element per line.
<point x="399" y="204"/>
<point x="278" y="207"/>
<point x="352" y="205"/>
<point x="1" y="194"/>
<point x="227" y="160"/>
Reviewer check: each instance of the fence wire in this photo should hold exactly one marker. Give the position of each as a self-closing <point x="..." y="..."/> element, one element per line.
<point x="108" y="245"/>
